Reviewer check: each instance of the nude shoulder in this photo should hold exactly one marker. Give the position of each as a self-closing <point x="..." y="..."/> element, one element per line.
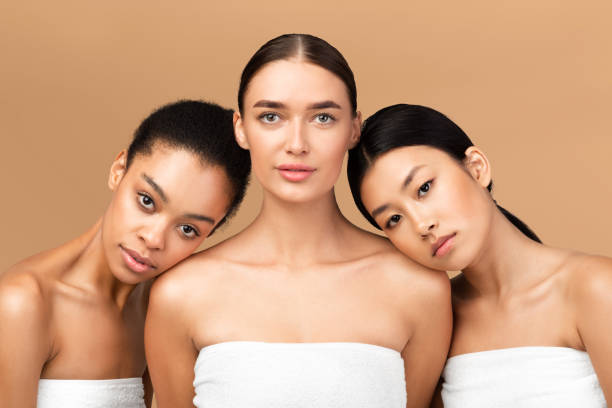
<point x="23" y="297"/>
<point x="588" y="276"/>
<point x="189" y="279"/>
<point x="413" y="279"/>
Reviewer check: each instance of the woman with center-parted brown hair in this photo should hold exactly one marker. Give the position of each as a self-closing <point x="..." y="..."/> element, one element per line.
<point x="72" y="318"/>
<point x="301" y="309"/>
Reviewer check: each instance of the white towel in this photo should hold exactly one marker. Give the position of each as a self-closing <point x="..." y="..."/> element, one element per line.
<point x="299" y="375"/>
<point x="115" y="393"/>
<point x="522" y="377"/>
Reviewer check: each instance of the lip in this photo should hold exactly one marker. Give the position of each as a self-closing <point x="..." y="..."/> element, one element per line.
<point x="295" y="171"/>
<point x="443" y="245"/>
<point x="135" y="262"/>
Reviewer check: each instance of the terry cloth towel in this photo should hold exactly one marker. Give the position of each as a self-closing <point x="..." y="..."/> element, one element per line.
<point x="299" y="375"/>
<point x="115" y="393"/>
<point x="522" y="377"/>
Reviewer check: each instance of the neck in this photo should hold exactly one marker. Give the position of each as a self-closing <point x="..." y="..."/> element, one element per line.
<point x="300" y="234"/>
<point x="91" y="271"/>
<point x="507" y="263"/>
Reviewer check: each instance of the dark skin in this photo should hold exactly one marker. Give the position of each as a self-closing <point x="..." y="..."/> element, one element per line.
<point x="78" y="311"/>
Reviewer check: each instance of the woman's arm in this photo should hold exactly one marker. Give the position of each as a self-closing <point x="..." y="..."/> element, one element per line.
<point x="24" y="345"/>
<point x="170" y="351"/>
<point x="425" y="353"/>
<point x="592" y="285"/>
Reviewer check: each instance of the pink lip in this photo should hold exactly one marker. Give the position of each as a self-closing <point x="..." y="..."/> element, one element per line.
<point x="135" y="262"/>
<point x="443" y="245"/>
<point x="295" y="171"/>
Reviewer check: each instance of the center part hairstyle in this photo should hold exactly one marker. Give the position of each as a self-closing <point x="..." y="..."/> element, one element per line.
<point x="303" y="47"/>
<point x="204" y="129"/>
<point x="410" y="125"/>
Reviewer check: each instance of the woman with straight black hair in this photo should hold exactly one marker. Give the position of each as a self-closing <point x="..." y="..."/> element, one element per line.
<point x="531" y="322"/>
<point x="301" y="309"/>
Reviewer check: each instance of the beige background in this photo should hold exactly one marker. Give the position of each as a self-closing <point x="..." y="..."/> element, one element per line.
<point x="529" y="81"/>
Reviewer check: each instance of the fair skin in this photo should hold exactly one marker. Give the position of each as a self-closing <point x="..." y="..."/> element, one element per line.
<point x="77" y="311"/>
<point x="300" y="272"/>
<point x="513" y="291"/>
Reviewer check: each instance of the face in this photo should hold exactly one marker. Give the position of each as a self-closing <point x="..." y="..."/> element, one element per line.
<point x="433" y="208"/>
<point x="162" y="208"/>
<point x="298" y="125"/>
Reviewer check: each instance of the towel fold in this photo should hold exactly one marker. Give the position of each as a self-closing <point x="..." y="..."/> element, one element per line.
<point x="522" y="377"/>
<point x="115" y="393"/>
<point x="299" y="375"/>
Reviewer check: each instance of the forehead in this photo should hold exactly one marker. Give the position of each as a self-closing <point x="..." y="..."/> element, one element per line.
<point x="296" y="81"/>
<point x="181" y="174"/>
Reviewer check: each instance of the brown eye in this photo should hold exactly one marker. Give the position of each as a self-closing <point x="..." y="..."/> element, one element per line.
<point x="392" y="221"/>
<point x="269" y="117"/>
<point x="424" y="189"/>
<point x="146" y="201"/>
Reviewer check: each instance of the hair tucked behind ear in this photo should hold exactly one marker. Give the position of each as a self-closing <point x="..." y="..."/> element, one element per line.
<point x="410" y="125"/>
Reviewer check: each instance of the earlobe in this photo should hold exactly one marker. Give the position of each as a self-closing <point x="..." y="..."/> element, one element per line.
<point x="239" y="132"/>
<point x="117" y="170"/>
<point x="356" y="131"/>
<point x="478" y="166"/>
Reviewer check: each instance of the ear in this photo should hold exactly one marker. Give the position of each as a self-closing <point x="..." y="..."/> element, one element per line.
<point x="117" y="170"/>
<point x="356" y="130"/>
<point x="477" y="165"/>
<point x="241" y="138"/>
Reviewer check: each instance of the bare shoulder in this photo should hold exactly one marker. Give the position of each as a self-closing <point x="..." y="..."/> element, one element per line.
<point x="588" y="276"/>
<point x="192" y="280"/>
<point x="410" y="278"/>
<point x="23" y="297"/>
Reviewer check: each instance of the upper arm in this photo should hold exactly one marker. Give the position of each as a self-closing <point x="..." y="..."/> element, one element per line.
<point x="170" y="351"/>
<point x="426" y="351"/>
<point x="593" y="289"/>
<point x="25" y="345"/>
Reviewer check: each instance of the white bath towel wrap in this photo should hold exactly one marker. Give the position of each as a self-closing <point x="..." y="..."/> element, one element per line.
<point x="115" y="393"/>
<point x="299" y="375"/>
<point x="522" y="377"/>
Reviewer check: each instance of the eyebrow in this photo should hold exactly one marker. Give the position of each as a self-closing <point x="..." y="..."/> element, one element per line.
<point x="279" y="105"/>
<point x="405" y="184"/>
<point x="201" y="218"/>
<point x="268" y="104"/>
<point x="155" y="187"/>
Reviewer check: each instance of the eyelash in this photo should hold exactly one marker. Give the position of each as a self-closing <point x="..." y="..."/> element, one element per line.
<point x="194" y="229"/>
<point x="420" y="190"/>
<point x="144" y="196"/>
<point x="262" y="117"/>
<point x="331" y="118"/>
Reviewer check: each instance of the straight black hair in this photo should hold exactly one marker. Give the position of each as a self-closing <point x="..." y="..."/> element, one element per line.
<point x="204" y="129"/>
<point x="410" y="125"/>
<point x="308" y="47"/>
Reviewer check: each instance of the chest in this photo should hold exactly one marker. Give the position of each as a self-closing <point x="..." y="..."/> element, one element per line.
<point x="95" y="340"/>
<point x="330" y="309"/>
<point x="528" y="321"/>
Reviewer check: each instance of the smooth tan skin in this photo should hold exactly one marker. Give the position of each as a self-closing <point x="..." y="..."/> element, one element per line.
<point x="77" y="311"/>
<point x="513" y="291"/>
<point x="300" y="272"/>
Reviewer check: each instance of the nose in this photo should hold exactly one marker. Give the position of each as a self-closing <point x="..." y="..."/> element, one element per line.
<point x="153" y="234"/>
<point x="424" y="222"/>
<point x="296" y="140"/>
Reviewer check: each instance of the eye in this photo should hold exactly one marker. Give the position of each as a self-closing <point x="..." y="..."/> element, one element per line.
<point x="146" y="201"/>
<point x="269" y="117"/>
<point x="392" y="221"/>
<point x="189" y="232"/>
<point x="424" y="189"/>
<point x="324" y="118"/>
